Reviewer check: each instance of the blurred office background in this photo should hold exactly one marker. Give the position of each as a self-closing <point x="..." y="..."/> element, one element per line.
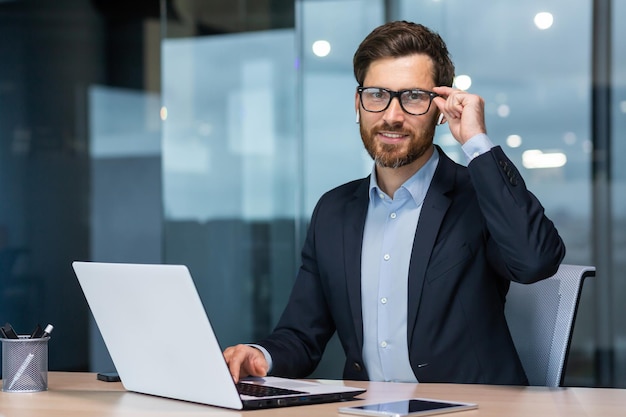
<point x="203" y="132"/>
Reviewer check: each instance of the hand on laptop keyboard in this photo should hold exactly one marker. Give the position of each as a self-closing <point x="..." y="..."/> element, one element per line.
<point x="245" y="360"/>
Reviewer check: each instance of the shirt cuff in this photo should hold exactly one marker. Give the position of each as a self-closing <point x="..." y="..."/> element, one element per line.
<point x="476" y="146"/>
<point x="268" y="357"/>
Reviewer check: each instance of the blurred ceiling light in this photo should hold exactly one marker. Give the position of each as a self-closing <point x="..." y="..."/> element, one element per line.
<point x="569" y="138"/>
<point x="504" y="110"/>
<point x="534" y="159"/>
<point x="462" y="82"/>
<point x="544" y="20"/>
<point x="514" y="141"/>
<point x="163" y="113"/>
<point x="321" y="48"/>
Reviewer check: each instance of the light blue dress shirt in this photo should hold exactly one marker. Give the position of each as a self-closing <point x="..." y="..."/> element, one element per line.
<point x="385" y="255"/>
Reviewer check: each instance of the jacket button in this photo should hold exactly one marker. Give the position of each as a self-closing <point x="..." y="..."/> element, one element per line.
<point x="357" y="366"/>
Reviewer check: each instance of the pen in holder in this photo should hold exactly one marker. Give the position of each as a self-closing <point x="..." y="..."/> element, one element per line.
<point x="25" y="364"/>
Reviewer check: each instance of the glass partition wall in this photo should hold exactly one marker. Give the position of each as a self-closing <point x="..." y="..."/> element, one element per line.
<point x="258" y="122"/>
<point x="617" y="123"/>
<point x="230" y="158"/>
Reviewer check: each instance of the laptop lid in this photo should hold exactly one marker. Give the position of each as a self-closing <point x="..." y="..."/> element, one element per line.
<point x="162" y="343"/>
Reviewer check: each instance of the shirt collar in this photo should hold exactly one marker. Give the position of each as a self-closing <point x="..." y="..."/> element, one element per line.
<point x="417" y="185"/>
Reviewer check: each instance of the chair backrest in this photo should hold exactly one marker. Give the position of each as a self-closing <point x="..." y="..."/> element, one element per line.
<point x="541" y="320"/>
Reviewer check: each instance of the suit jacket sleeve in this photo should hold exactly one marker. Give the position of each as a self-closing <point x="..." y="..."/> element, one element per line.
<point x="524" y="245"/>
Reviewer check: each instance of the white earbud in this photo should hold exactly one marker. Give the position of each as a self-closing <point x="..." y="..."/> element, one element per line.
<point x="440" y="120"/>
<point x="357" y="117"/>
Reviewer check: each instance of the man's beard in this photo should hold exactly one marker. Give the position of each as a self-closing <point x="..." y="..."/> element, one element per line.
<point x="390" y="156"/>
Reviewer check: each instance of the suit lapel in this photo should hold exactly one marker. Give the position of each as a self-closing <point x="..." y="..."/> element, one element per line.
<point x="436" y="203"/>
<point x="356" y="211"/>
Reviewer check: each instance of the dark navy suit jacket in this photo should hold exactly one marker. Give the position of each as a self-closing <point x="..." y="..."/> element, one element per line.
<point x="479" y="229"/>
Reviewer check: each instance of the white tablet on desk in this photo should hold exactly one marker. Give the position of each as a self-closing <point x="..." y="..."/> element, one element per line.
<point x="413" y="407"/>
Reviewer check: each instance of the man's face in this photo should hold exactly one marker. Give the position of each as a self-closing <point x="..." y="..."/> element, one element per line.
<point x="394" y="138"/>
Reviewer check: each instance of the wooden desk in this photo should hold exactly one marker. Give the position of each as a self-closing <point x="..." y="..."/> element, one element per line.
<point x="81" y="394"/>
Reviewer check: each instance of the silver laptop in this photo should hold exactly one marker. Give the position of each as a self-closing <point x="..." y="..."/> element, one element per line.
<point x="162" y="343"/>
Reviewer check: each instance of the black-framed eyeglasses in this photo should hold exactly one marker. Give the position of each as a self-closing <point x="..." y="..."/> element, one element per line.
<point x="413" y="101"/>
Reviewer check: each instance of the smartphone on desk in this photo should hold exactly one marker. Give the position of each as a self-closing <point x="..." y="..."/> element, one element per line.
<point x="108" y="377"/>
<point x="408" y="408"/>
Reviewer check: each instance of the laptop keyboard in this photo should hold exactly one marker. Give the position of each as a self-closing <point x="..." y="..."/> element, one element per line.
<point x="256" y="390"/>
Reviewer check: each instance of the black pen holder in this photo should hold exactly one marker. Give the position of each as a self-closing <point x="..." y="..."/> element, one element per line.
<point x="24" y="364"/>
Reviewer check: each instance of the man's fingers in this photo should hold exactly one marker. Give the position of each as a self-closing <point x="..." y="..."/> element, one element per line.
<point x="234" y="362"/>
<point x="258" y="366"/>
<point x="464" y="112"/>
<point x="244" y="360"/>
<point x="450" y="101"/>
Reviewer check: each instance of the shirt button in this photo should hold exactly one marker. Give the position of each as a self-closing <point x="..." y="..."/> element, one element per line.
<point x="383" y="300"/>
<point x="386" y="257"/>
<point x="393" y="215"/>
<point x="382" y="196"/>
<point x="383" y="344"/>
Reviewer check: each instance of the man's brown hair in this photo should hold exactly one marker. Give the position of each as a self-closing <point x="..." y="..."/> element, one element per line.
<point x="399" y="39"/>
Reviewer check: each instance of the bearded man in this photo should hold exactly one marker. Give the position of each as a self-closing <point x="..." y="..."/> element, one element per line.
<point x="411" y="265"/>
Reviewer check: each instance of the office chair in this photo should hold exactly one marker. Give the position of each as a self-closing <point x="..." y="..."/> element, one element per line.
<point x="541" y="320"/>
